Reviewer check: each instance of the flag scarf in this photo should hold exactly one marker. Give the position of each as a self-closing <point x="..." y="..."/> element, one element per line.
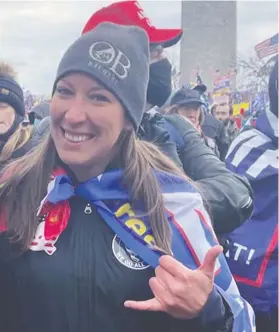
<point x="253" y="247"/>
<point x="192" y="233"/>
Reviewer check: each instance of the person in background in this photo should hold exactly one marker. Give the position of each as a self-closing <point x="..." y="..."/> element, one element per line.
<point x="224" y="112"/>
<point x="38" y="113"/>
<point x="102" y="252"/>
<point x="253" y="247"/>
<point x="188" y="104"/>
<point x="13" y="134"/>
<point x="213" y="128"/>
<point x="212" y="109"/>
<point x="131" y="13"/>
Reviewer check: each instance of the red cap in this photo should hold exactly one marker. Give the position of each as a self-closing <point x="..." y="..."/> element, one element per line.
<point x="130" y="13"/>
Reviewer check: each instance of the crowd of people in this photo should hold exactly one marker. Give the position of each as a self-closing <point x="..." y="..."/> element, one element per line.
<point x="125" y="205"/>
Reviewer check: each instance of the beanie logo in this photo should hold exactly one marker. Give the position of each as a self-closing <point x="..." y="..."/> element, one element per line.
<point x="4" y="91"/>
<point x="112" y="61"/>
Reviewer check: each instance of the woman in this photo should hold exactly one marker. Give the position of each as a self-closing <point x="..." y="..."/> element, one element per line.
<point x="13" y="135"/>
<point x="188" y="104"/>
<point x="89" y="258"/>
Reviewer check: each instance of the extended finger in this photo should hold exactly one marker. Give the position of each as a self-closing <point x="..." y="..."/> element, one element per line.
<point x="210" y="259"/>
<point x="148" y="305"/>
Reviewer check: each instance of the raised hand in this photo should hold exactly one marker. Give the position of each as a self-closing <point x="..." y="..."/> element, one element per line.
<point x="177" y="290"/>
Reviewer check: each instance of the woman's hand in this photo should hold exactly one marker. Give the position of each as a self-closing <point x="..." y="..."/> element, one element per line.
<point x="179" y="291"/>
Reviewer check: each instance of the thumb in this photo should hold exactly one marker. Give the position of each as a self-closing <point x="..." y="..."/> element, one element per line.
<point x="149" y="305"/>
<point x="209" y="262"/>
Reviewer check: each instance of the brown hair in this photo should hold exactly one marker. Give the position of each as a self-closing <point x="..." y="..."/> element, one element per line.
<point x="24" y="184"/>
<point x="19" y="138"/>
<point x="175" y="110"/>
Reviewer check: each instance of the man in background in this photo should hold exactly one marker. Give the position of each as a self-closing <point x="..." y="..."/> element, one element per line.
<point x="224" y="112"/>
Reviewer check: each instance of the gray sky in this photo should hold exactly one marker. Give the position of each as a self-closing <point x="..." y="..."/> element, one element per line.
<point x="34" y="35"/>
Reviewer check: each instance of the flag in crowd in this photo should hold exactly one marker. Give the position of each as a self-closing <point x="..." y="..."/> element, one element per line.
<point x="267" y="47"/>
<point x="222" y="82"/>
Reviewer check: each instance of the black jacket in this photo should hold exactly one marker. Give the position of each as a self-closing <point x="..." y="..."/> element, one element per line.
<point x="38" y="134"/>
<point x="83" y="285"/>
<point x="227" y="195"/>
<point x="215" y="129"/>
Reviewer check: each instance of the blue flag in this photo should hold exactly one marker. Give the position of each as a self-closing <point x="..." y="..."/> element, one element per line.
<point x="253" y="249"/>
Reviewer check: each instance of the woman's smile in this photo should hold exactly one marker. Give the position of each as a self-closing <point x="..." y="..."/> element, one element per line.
<point x="75" y="137"/>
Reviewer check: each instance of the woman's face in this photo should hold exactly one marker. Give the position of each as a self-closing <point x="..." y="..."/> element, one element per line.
<point x="87" y="120"/>
<point x="193" y="114"/>
<point x="7" y="117"/>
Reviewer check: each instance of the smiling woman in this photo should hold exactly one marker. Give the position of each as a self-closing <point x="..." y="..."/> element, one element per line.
<point x="87" y="120"/>
<point x="94" y="221"/>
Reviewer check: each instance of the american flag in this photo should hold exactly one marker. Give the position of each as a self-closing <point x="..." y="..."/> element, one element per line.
<point x="267" y="47"/>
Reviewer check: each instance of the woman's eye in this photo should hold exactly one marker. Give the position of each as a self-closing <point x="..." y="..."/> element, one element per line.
<point x="3" y="105"/>
<point x="64" y="91"/>
<point x="100" y="98"/>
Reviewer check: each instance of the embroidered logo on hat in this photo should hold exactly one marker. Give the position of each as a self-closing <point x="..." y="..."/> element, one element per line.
<point x="4" y="91"/>
<point x="117" y="64"/>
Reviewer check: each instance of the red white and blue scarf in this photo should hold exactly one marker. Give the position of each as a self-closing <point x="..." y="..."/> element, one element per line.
<point x="192" y="232"/>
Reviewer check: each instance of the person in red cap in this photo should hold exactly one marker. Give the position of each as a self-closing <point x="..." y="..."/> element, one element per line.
<point x="130" y="13"/>
<point x="227" y="194"/>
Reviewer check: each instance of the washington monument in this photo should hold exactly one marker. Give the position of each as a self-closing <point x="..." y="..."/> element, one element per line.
<point x="209" y="40"/>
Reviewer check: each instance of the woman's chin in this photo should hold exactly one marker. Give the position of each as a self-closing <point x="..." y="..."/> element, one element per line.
<point x="82" y="166"/>
<point x="4" y="129"/>
<point x="73" y="161"/>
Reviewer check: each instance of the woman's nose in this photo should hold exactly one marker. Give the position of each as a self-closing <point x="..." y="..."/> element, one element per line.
<point x="76" y="111"/>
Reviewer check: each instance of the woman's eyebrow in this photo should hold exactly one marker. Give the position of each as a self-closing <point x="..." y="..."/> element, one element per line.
<point x="96" y="88"/>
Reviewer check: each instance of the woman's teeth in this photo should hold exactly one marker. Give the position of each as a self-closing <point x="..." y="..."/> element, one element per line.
<point x="76" y="138"/>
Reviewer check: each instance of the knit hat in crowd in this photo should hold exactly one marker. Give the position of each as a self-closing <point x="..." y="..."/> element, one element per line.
<point x="10" y="91"/>
<point x="117" y="57"/>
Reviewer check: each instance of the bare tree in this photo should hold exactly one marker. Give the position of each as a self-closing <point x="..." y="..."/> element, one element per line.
<point x="252" y="73"/>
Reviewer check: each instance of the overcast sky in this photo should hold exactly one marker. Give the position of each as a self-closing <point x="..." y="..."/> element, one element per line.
<point x="34" y="35"/>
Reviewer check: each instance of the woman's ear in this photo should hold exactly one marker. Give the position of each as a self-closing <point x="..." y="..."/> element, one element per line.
<point x="128" y="124"/>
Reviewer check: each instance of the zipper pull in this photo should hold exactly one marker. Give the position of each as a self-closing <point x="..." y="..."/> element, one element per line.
<point x="88" y="209"/>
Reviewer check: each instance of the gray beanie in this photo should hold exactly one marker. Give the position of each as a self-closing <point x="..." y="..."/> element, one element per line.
<point x="116" y="56"/>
